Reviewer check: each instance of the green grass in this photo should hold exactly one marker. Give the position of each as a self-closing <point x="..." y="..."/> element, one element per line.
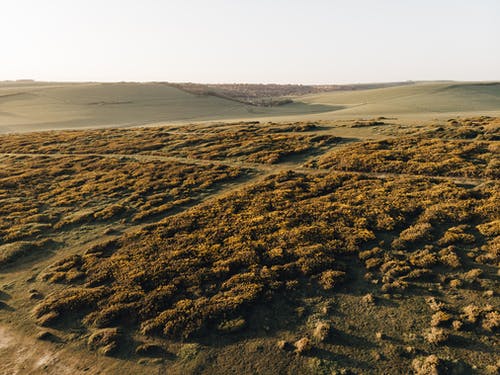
<point x="418" y="99"/>
<point x="56" y="106"/>
<point x="41" y="106"/>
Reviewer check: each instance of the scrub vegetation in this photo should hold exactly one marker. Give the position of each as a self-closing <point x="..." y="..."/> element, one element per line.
<point x="421" y="156"/>
<point x="40" y="196"/>
<point x="252" y="143"/>
<point x="214" y="263"/>
<point x="466" y="148"/>
<point x="257" y="247"/>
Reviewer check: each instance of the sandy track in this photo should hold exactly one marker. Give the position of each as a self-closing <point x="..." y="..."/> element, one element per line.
<point x="24" y="355"/>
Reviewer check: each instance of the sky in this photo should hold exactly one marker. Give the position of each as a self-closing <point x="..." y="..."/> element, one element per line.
<point x="254" y="41"/>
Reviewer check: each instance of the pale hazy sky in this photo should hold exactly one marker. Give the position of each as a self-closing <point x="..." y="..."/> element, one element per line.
<point x="282" y="41"/>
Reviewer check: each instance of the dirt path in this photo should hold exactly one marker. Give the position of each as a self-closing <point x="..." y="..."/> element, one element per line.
<point x="21" y="354"/>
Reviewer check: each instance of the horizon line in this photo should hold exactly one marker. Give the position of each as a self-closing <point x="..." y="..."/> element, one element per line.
<point x="26" y="80"/>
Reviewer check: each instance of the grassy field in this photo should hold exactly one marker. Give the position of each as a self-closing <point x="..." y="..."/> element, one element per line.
<point x="419" y="100"/>
<point x="32" y="106"/>
<point x="41" y="106"/>
<point x="330" y="247"/>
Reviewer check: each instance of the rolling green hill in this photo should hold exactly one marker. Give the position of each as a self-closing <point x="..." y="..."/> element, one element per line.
<point x="418" y="99"/>
<point x="28" y="106"/>
<point x="38" y="106"/>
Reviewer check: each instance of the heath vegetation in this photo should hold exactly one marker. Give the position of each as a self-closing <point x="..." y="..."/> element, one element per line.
<point x="161" y="246"/>
<point x="252" y="142"/>
<point x="213" y="265"/>
<point x="42" y="196"/>
<point x="418" y="155"/>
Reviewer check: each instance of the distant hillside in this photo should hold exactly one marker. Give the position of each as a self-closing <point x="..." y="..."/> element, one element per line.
<point x="268" y="95"/>
<point x="28" y="106"/>
<point x="422" y="98"/>
<point x="25" y="107"/>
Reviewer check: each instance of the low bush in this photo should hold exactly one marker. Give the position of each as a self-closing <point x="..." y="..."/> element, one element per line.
<point x="206" y="269"/>
<point x="416" y="155"/>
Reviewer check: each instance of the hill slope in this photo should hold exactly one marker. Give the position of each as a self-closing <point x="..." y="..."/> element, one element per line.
<point x="419" y="99"/>
<point x="29" y="106"/>
<point x="296" y="248"/>
<point x="36" y="107"/>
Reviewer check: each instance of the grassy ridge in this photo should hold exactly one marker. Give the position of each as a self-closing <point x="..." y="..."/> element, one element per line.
<point x="93" y="105"/>
<point x="415" y="99"/>
<point x="39" y="106"/>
